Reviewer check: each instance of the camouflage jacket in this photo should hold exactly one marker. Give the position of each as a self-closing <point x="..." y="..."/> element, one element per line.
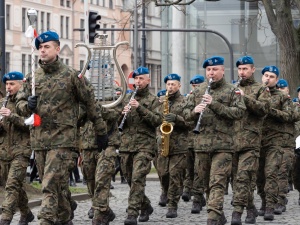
<point x="275" y="125"/>
<point x="139" y="128"/>
<point x="14" y="134"/>
<point x="256" y="98"/>
<point x="178" y="138"/>
<point x="59" y="92"/>
<point x="218" y="118"/>
<point x="87" y="131"/>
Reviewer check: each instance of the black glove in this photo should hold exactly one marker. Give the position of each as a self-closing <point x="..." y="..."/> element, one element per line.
<point x="102" y="142"/>
<point x="32" y="102"/>
<point x="170" y="117"/>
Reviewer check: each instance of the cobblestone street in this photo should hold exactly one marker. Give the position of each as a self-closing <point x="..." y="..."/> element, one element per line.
<point x="119" y="203"/>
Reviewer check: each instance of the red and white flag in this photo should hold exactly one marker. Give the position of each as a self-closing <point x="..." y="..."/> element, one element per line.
<point x="34" y="120"/>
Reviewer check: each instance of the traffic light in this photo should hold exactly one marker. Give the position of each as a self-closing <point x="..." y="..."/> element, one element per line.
<point x="93" y="25"/>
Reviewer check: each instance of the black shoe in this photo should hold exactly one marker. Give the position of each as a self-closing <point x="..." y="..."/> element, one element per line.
<point x="163" y="200"/>
<point x="236" y="218"/>
<point x="123" y="180"/>
<point x="104" y="218"/>
<point x="145" y="213"/>
<point x="251" y="216"/>
<point x="279" y="209"/>
<point x="222" y="220"/>
<point x="112" y="187"/>
<point x="91" y="213"/>
<point x="196" y="208"/>
<point x="5" y="222"/>
<point x="24" y="220"/>
<point x="269" y="214"/>
<point x="79" y="181"/>
<point x="73" y="208"/>
<point x="186" y="196"/>
<point x="131" y="220"/>
<point x="72" y="183"/>
<point x="212" y="222"/>
<point x="172" y="213"/>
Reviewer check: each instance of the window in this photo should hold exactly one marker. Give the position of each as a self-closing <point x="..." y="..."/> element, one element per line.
<point x="7" y="19"/>
<point x="103" y="2"/>
<point x="23" y="63"/>
<point x="81" y="26"/>
<point x="37" y="21"/>
<point x="81" y="64"/>
<point x="24" y="18"/>
<point x="98" y="2"/>
<point x="158" y="70"/>
<point x="7" y="62"/>
<point x="62" y="2"/>
<point x="29" y="62"/>
<point x="67" y="61"/>
<point x="42" y="22"/>
<point x="111" y="4"/>
<point x="91" y="1"/>
<point x="61" y="26"/>
<point x="104" y="26"/>
<point x="48" y="21"/>
<point x="112" y="36"/>
<point x="68" y="4"/>
<point x="36" y="60"/>
<point x="67" y="27"/>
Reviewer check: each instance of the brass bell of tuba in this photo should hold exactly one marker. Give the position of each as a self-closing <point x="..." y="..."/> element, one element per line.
<point x="166" y="129"/>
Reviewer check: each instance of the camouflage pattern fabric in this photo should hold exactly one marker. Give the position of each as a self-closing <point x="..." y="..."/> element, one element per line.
<point x="172" y="179"/>
<point x="135" y="167"/>
<point x="189" y="171"/>
<point x="55" y="184"/>
<point x="275" y="126"/>
<point x="104" y="171"/>
<point x="15" y="195"/>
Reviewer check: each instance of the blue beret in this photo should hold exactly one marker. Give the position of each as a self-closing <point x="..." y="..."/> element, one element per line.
<point x="244" y="60"/>
<point x="272" y="69"/>
<point x="172" y="76"/>
<point x="213" y="61"/>
<point x="282" y="83"/>
<point x="295" y="100"/>
<point x="161" y="93"/>
<point x="45" y="37"/>
<point x="140" y="71"/>
<point x="197" y="79"/>
<point x="12" y="76"/>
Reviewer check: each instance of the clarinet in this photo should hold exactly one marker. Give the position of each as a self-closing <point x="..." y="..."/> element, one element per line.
<point x="5" y="103"/>
<point x="129" y="106"/>
<point x="197" y="128"/>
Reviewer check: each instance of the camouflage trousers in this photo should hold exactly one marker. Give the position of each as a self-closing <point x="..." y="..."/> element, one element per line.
<point x="135" y="167"/>
<point x="245" y="179"/>
<point x="89" y="165"/>
<point x="267" y="174"/>
<point x="14" y="173"/>
<point x="171" y="170"/>
<point x="189" y="171"/>
<point x="213" y="170"/>
<point x="295" y="172"/>
<point x="104" y="171"/>
<point x="54" y="168"/>
<point x="283" y="174"/>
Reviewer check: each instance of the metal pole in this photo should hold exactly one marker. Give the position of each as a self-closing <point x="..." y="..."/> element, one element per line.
<point x="143" y="36"/>
<point x="2" y="39"/>
<point x="135" y="36"/>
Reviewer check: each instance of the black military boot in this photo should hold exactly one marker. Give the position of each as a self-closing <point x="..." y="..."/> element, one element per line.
<point x="4" y="222"/>
<point x="212" y="222"/>
<point x="145" y="213"/>
<point x="104" y="218"/>
<point x="222" y="220"/>
<point x="251" y="216"/>
<point x="24" y="220"/>
<point x="172" y="213"/>
<point x="73" y="208"/>
<point x="131" y="220"/>
<point x="202" y="200"/>
<point x="186" y="196"/>
<point x="91" y="213"/>
<point x="196" y="208"/>
<point x="278" y="209"/>
<point x="236" y="218"/>
<point x="269" y="214"/>
<point x="163" y="200"/>
<point x="261" y="211"/>
<point x="123" y="180"/>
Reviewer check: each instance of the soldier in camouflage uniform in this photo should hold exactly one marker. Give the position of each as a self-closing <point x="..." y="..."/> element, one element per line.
<point x="189" y="172"/>
<point x="248" y="137"/>
<point x="214" y="144"/>
<point x="138" y="145"/>
<point x="171" y="167"/>
<point x="59" y="89"/>
<point x="273" y="134"/>
<point x="288" y="146"/>
<point x="15" y="152"/>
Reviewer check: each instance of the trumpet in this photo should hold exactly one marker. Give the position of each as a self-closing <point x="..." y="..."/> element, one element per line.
<point x="129" y="106"/>
<point x="5" y="103"/>
<point x="197" y="128"/>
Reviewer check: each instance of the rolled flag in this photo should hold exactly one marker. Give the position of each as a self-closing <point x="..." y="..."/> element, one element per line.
<point x="34" y="120"/>
<point x="31" y="32"/>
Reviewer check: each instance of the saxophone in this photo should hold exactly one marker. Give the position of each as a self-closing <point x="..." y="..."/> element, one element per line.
<point x="166" y="129"/>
